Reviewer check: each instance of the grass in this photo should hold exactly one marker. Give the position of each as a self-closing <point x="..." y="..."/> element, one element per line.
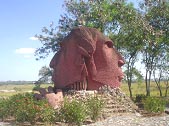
<point x="15" y="89"/>
<point x="136" y="89"/>
<point x="141" y="89"/>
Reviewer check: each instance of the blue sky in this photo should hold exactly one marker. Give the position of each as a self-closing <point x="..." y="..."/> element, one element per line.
<point x="20" y="20"/>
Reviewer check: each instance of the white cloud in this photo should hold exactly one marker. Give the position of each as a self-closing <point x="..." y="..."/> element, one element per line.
<point x="25" y="50"/>
<point x="33" y="38"/>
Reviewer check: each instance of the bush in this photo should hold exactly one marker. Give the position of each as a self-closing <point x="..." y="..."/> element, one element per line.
<point x="47" y="114"/>
<point x="153" y="104"/>
<point x="73" y="111"/>
<point x="77" y="111"/>
<point x="36" y="87"/>
<point x="140" y="98"/>
<point x="94" y="105"/>
<point x="23" y="108"/>
<point x="4" y="109"/>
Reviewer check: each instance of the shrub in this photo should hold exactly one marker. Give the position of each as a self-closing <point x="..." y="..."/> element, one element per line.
<point x="153" y="104"/>
<point x="34" y="110"/>
<point x="4" y="108"/>
<point x="73" y="111"/>
<point x="47" y="113"/>
<point x="19" y="102"/>
<point x="23" y="108"/>
<point x="140" y="98"/>
<point x="36" y="87"/>
<point x="94" y="105"/>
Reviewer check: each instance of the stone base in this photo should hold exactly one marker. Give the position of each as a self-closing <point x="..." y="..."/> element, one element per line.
<point x="116" y="101"/>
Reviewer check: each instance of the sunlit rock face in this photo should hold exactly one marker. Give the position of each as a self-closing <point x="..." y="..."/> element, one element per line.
<point x="87" y="60"/>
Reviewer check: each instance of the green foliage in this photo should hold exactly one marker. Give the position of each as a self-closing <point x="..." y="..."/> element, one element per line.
<point x="20" y="104"/>
<point x="45" y="74"/>
<point x="73" y="111"/>
<point x="77" y="111"/>
<point x="95" y="105"/>
<point x="47" y="114"/>
<point x="140" y="98"/>
<point x="23" y="108"/>
<point x="155" y="36"/>
<point x="4" y="108"/>
<point x="36" y="87"/>
<point x="153" y="104"/>
<point x="106" y="15"/>
<point x="135" y="31"/>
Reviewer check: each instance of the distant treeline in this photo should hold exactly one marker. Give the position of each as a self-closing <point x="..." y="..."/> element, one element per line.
<point x="16" y="82"/>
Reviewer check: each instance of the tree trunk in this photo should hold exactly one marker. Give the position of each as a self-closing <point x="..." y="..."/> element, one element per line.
<point x="166" y="89"/>
<point x="130" y="91"/>
<point x="146" y="81"/>
<point x="129" y="76"/>
<point x="158" y="82"/>
<point x="159" y="88"/>
<point x="149" y="81"/>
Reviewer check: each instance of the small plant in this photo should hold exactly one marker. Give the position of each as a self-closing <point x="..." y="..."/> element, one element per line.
<point x="23" y="107"/>
<point x="73" y="111"/>
<point x="47" y="113"/>
<point x="153" y="104"/>
<point x="36" y="87"/>
<point x="4" y="108"/>
<point x="140" y="98"/>
<point x="95" y="105"/>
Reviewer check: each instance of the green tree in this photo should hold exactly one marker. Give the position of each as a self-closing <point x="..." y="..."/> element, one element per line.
<point x="156" y="26"/>
<point x="105" y="15"/>
<point x="117" y="19"/>
<point x="45" y="74"/>
<point x="161" y="72"/>
<point x="129" y="40"/>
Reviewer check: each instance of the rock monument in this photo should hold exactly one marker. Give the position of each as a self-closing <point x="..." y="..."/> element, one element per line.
<point x="87" y="60"/>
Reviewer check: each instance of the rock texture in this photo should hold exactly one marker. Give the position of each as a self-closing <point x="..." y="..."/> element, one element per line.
<point x="86" y="60"/>
<point x="116" y="102"/>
